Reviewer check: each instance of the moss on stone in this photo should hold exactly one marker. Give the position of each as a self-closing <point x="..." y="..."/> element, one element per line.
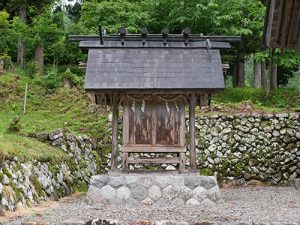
<point x="59" y="192"/>
<point x="1" y="176"/>
<point x="19" y="195"/>
<point x="6" y="172"/>
<point x="27" y="202"/>
<point x="81" y="187"/>
<point x="206" y="172"/>
<point x="37" y="186"/>
<point x="54" y="169"/>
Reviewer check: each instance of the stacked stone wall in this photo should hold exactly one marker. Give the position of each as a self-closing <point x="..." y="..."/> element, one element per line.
<point x="249" y="148"/>
<point x="25" y="183"/>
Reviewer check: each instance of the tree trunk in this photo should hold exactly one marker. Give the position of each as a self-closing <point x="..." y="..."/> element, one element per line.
<point x="39" y="57"/>
<point x="240" y="70"/>
<point x="274" y="76"/>
<point x="21" y="44"/>
<point x="264" y="75"/>
<point x="39" y="51"/>
<point x="1" y="66"/>
<point x="234" y="76"/>
<point x="271" y="70"/>
<point x="257" y="74"/>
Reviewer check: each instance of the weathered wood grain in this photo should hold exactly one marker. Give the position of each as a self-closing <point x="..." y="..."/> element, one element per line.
<point x="115" y="119"/>
<point x="192" y="132"/>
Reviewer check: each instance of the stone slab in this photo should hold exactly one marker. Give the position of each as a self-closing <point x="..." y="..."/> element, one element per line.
<point x="154" y="188"/>
<point x="296" y="182"/>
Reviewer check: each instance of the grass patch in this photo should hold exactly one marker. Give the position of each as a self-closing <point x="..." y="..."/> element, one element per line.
<point x="12" y="145"/>
<point x="48" y="110"/>
<point x="276" y="99"/>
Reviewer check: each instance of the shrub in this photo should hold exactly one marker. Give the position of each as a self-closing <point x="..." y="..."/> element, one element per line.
<point x="51" y="80"/>
<point x="74" y="80"/>
<point x="294" y="82"/>
<point x="31" y="68"/>
<point x="14" y="125"/>
<point x="73" y="68"/>
<point x="54" y="79"/>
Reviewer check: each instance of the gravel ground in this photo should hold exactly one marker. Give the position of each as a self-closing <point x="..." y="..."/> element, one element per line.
<point x="251" y="205"/>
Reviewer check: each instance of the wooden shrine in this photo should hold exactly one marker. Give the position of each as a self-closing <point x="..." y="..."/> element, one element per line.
<point x="154" y="78"/>
<point x="282" y="24"/>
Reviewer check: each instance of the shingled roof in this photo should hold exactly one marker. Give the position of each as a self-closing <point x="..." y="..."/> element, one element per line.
<point x="133" y="64"/>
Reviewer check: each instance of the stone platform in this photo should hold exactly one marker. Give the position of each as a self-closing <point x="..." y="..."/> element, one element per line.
<point x="165" y="188"/>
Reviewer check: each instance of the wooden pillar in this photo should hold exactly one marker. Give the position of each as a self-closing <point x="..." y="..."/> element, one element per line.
<point x="193" y="165"/>
<point x="270" y="72"/>
<point x="257" y="74"/>
<point x="115" y="119"/>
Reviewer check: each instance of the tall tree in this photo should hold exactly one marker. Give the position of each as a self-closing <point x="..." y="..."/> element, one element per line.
<point x="4" y="31"/>
<point x="18" y="8"/>
<point x="21" y="42"/>
<point x="39" y="50"/>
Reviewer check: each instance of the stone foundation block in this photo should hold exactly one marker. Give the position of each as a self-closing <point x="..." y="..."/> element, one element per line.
<point x="155" y="188"/>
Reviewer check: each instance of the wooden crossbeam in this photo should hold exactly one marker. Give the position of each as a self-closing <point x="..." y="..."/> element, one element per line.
<point x="152" y="149"/>
<point x="156" y="160"/>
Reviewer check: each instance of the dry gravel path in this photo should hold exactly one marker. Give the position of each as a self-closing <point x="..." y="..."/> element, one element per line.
<point x="251" y="205"/>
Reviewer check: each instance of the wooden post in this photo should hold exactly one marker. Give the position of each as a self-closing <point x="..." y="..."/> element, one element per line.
<point x="115" y="119"/>
<point x="1" y="66"/>
<point x="193" y="165"/>
<point x="272" y="51"/>
<point x="25" y="98"/>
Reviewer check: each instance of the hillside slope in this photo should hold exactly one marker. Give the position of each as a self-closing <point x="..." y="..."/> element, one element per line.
<point x="47" y="110"/>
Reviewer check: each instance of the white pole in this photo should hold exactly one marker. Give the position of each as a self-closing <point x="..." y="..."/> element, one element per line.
<point x="25" y="98"/>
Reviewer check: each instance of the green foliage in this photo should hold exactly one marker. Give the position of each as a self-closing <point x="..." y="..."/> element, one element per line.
<point x="294" y="82"/>
<point x="31" y="68"/>
<point x="114" y="14"/>
<point x="52" y="79"/>
<point x="6" y="59"/>
<point x="4" y="19"/>
<point x="73" y="68"/>
<point x="75" y="80"/>
<point x="261" y="56"/>
<point x="288" y="59"/>
<point x="278" y="98"/>
<point x="5" y="36"/>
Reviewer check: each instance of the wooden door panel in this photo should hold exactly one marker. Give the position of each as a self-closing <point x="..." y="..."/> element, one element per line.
<point x="153" y="122"/>
<point x="168" y="122"/>
<point x="140" y="122"/>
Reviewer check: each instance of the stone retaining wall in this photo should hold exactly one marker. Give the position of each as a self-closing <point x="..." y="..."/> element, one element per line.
<point x="25" y="183"/>
<point x="250" y="148"/>
<point x="163" y="189"/>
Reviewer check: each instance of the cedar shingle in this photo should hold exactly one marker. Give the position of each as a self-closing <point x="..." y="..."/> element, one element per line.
<point x="145" y="68"/>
